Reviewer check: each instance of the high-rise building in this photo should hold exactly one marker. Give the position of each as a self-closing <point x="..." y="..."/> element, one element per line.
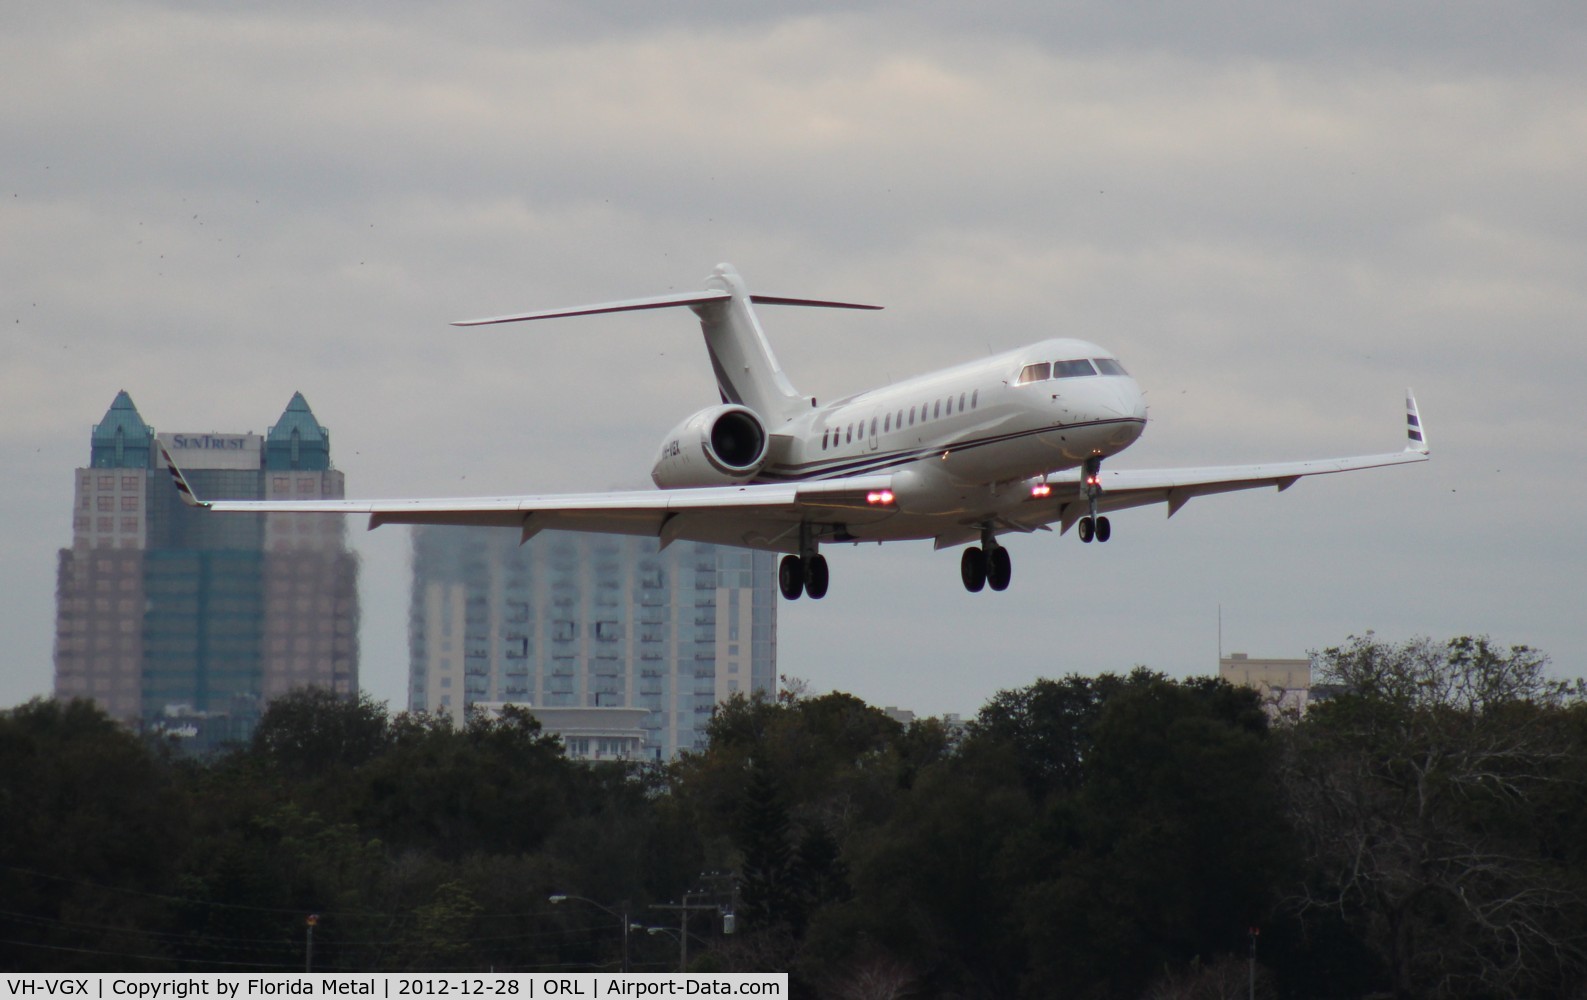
<point x="1284" y="684"/>
<point x="584" y="620"/>
<point x="181" y="620"/>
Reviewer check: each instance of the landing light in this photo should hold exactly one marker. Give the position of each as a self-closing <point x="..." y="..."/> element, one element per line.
<point x="879" y="497"/>
<point x="1041" y="490"/>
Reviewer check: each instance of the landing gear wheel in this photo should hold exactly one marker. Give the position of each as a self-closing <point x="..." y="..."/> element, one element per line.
<point x="972" y="569"/>
<point x="999" y="568"/>
<point x="791" y="577"/>
<point x="1104" y="529"/>
<point x="1088" y="529"/>
<point x="816" y="577"/>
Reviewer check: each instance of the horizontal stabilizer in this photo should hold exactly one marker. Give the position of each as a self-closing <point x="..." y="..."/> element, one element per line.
<point x="660" y="302"/>
<point x="625" y="305"/>
<point x="780" y="300"/>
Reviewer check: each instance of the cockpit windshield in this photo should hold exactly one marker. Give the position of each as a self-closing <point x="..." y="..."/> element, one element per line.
<point x="1041" y="371"/>
<point x="1035" y="373"/>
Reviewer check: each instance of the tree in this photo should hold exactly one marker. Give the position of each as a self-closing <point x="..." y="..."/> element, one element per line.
<point x="310" y="732"/>
<point x="496" y="785"/>
<point x="763" y="835"/>
<point x="1048" y="727"/>
<point x="1166" y="850"/>
<point x="93" y="824"/>
<point x="1417" y="792"/>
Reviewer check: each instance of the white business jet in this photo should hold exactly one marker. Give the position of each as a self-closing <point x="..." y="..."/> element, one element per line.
<point x="1012" y="443"/>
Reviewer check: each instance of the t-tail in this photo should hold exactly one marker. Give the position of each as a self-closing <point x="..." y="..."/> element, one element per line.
<point x="747" y="372"/>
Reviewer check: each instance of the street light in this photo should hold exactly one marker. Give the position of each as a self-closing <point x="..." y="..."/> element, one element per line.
<point x="562" y="897"/>
<point x="676" y="933"/>
<point x="683" y="923"/>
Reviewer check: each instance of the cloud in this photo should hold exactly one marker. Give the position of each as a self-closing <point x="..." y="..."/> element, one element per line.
<point x="1278" y="217"/>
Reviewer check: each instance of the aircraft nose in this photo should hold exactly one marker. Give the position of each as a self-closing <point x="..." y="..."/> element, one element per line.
<point x="1123" y="399"/>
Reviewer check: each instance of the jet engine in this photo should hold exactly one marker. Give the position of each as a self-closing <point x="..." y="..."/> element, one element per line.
<point x="719" y="446"/>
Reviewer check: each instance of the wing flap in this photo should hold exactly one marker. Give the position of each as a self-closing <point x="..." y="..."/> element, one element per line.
<point x="1128" y="488"/>
<point x="758" y="515"/>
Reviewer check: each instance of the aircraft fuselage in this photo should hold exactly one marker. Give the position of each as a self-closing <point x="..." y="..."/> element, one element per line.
<point x="969" y="438"/>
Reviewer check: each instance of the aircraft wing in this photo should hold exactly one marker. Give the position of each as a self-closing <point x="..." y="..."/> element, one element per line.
<point x="755" y="516"/>
<point x="1065" y="500"/>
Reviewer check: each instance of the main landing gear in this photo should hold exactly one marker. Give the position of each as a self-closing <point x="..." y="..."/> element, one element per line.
<point x="798" y="575"/>
<point x="986" y="565"/>
<point x="1092" y="526"/>
<point x="805" y="573"/>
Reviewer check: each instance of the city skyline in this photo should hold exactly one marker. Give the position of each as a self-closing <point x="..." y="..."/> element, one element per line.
<point x="1278" y="224"/>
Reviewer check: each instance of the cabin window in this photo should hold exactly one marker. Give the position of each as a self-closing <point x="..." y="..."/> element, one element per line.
<point x="1108" y="366"/>
<point x="961" y="402"/>
<point x="1039" y="372"/>
<point x="975" y="399"/>
<point x="936" y="409"/>
<point x="887" y="422"/>
<point x="911" y="416"/>
<point x="824" y="440"/>
<point x="1072" y="369"/>
<point x="873" y="427"/>
<point x="848" y="436"/>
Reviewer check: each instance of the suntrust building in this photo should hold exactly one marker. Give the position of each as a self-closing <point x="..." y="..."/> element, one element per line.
<point x="175" y="619"/>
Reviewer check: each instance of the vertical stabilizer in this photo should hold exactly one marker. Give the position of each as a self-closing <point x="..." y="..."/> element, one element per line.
<point x="747" y="372"/>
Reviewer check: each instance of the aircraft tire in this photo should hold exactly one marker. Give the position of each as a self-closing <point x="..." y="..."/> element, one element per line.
<point x="1088" y="530"/>
<point x="791" y="577"/>
<point x="999" y="568"/>
<point x="1104" y="529"/>
<point x="816" y="577"/>
<point x="972" y="569"/>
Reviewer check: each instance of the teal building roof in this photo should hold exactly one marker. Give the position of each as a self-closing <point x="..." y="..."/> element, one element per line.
<point x="297" y="441"/>
<point x="122" y="440"/>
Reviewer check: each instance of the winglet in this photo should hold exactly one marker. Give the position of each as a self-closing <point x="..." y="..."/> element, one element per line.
<point x="1416" y="437"/>
<point x="182" y="488"/>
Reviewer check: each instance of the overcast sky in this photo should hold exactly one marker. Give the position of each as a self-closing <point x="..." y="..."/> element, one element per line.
<point x="1279" y="216"/>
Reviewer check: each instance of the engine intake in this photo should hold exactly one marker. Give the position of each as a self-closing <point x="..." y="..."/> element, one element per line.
<point x="719" y="446"/>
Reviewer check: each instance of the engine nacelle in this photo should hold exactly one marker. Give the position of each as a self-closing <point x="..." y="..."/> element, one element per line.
<point x="719" y="446"/>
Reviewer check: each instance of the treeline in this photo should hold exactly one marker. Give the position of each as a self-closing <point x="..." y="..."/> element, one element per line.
<point x="1422" y="833"/>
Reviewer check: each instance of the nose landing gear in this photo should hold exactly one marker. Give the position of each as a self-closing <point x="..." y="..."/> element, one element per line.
<point x="1093" y="526"/>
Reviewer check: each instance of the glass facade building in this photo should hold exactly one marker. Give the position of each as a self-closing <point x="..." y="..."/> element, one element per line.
<point x="177" y="619"/>
<point x="585" y="620"/>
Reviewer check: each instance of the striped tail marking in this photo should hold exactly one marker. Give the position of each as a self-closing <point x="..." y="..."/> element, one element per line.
<point x="183" y="490"/>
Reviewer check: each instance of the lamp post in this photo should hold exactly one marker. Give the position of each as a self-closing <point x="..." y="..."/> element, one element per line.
<point x="683" y="922"/>
<point x="676" y="933"/>
<point x="623" y="916"/>
<point x="308" y="948"/>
